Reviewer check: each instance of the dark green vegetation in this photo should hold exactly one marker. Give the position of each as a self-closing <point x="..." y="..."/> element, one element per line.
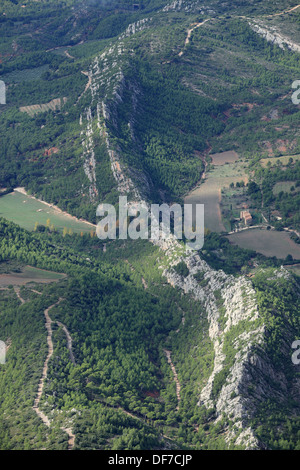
<point x="264" y="196"/>
<point x="169" y="131"/>
<point x="120" y="393"/>
<point x="212" y="97"/>
<point x="279" y="305"/>
<point x="119" y="330"/>
<point x="178" y="102"/>
<point x="220" y="254"/>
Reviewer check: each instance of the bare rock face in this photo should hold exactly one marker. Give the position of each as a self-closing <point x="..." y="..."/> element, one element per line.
<point x="89" y="164"/>
<point x="271" y="34"/>
<point x="136" y="27"/>
<point x="188" y="6"/>
<point x="242" y="374"/>
<point x="234" y="322"/>
<point x="107" y="87"/>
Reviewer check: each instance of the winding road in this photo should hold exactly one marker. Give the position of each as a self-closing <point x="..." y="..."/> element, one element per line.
<point x="44" y="418"/>
<point x="283" y="12"/>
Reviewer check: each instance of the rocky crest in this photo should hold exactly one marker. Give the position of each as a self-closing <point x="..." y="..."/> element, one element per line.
<point x="250" y="376"/>
<point x="271" y="34"/>
<point x="228" y="302"/>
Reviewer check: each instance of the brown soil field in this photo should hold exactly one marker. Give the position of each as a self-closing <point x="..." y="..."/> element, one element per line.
<point x="29" y="274"/>
<point x="225" y="157"/>
<point x="268" y="242"/>
<point x="209" y="192"/>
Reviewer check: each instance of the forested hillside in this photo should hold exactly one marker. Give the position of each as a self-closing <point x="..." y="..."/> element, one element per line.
<point x="116" y="390"/>
<point x="135" y="344"/>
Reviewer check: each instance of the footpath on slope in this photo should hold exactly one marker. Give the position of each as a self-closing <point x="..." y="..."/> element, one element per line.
<point x="178" y="388"/>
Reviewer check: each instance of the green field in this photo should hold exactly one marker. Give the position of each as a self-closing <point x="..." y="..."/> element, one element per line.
<point x="40" y="274"/>
<point x="26" y="211"/>
<point x="26" y="75"/>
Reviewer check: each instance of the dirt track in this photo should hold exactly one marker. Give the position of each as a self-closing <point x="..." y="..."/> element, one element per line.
<point x="44" y="418"/>
<point x="197" y="25"/>
<point x="178" y="388"/>
<point x="283" y="12"/>
<point x="189" y="33"/>
<point x="69" y="341"/>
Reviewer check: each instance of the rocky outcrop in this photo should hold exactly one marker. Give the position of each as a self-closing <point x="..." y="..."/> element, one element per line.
<point x="89" y="165"/>
<point x="271" y="34"/>
<point x="108" y="86"/>
<point x="236" y="330"/>
<point x="136" y="27"/>
<point x="248" y="372"/>
<point x="188" y="6"/>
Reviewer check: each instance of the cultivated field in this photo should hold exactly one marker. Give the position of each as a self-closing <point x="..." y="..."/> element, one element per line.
<point x="268" y="242"/>
<point x="26" y="211"/>
<point x="209" y="191"/>
<point x="25" y="75"/>
<point x="224" y="157"/>
<point x="29" y="274"/>
<point x="42" y="108"/>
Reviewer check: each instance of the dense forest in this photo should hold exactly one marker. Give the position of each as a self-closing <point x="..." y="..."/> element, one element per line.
<point x="119" y="392"/>
<point x="133" y="348"/>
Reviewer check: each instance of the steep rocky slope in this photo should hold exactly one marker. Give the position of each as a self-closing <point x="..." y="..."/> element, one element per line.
<point x="243" y="374"/>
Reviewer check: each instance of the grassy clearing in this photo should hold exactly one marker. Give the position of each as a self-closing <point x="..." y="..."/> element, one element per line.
<point x="26" y="211"/>
<point x="284" y="186"/>
<point x="268" y="242"/>
<point x="274" y="160"/>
